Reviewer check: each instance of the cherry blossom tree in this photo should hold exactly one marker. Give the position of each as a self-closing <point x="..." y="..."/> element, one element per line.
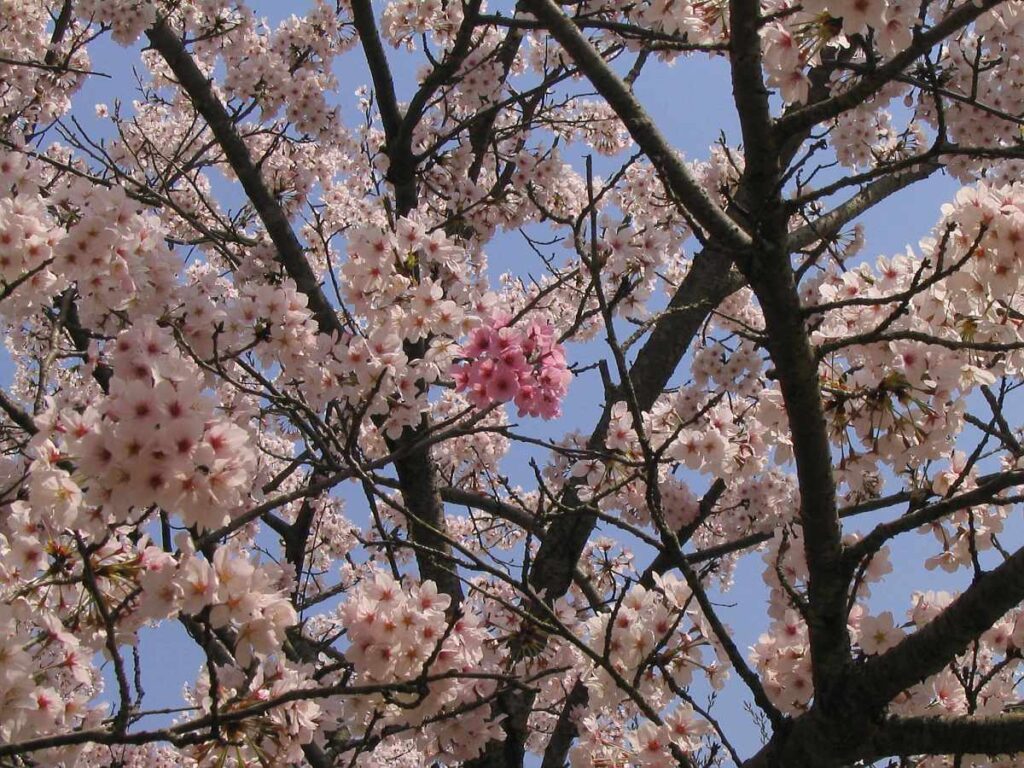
<point x="266" y="390"/>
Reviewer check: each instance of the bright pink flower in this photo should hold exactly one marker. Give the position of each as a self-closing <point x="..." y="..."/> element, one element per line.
<point x="503" y="363"/>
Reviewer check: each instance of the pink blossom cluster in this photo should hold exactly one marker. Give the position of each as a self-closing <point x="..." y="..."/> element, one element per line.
<point x="650" y="634"/>
<point x="287" y="69"/>
<point x="648" y="745"/>
<point x="25" y="31"/>
<point x="481" y="74"/>
<point x="405" y="21"/>
<point x="28" y="235"/>
<point x="782" y="658"/>
<point x="402" y="634"/>
<point x="53" y="581"/>
<point x="892" y="21"/>
<point x="782" y="655"/>
<point x="278" y="315"/>
<point x="129" y="756"/>
<point x="115" y="255"/>
<point x="90" y="247"/>
<point x="634" y="255"/>
<point x="127" y="18"/>
<point x="647" y="621"/>
<point x="274" y="738"/>
<point x="379" y="278"/>
<point x="157" y="439"/>
<point x="226" y="388"/>
<point x="552" y="183"/>
<point x="595" y="124"/>
<point x="503" y="363"/>
<point x="247" y="597"/>
<point x="702" y="436"/>
<point x="795" y="42"/>
<point x="469" y="454"/>
<point x="967" y="532"/>
<point x="149" y="585"/>
<point x="47" y="678"/>
<point x="393" y="633"/>
<point x="49" y="681"/>
<point x="867" y="134"/>
<point x="693" y="20"/>
<point x="332" y="537"/>
<point x="902" y="401"/>
<point x="998" y="35"/>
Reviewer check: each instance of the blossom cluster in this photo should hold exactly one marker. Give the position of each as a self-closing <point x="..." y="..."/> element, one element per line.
<point x="55" y="624"/>
<point x="24" y="36"/>
<point x="782" y="655"/>
<point x="48" y="680"/>
<point x="112" y="253"/>
<point x="288" y="68"/>
<point x="27" y="237"/>
<point x="901" y="400"/>
<point x="275" y="737"/>
<point x="656" y="632"/>
<point x="996" y="36"/>
<point x="656" y="641"/>
<point x="407" y="635"/>
<point x="651" y="745"/>
<point x="247" y="597"/>
<point x="157" y="438"/>
<point x="504" y="363"/>
<point x="127" y="18"/>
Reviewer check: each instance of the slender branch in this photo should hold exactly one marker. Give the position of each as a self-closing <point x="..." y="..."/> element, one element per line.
<point x="674" y="174"/>
<point x="289" y="251"/>
<point x="883" y="532"/>
<point x="806" y="117"/>
<point x="931" y="648"/>
<point x="828" y="224"/>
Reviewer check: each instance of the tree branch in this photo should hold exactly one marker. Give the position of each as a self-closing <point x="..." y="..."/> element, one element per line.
<point x="932" y="647"/>
<point x="804" y="118"/>
<point x="676" y="177"/>
<point x="913" y="520"/>
<point x="200" y="92"/>
<point x="828" y="224"/>
<point x="906" y="736"/>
